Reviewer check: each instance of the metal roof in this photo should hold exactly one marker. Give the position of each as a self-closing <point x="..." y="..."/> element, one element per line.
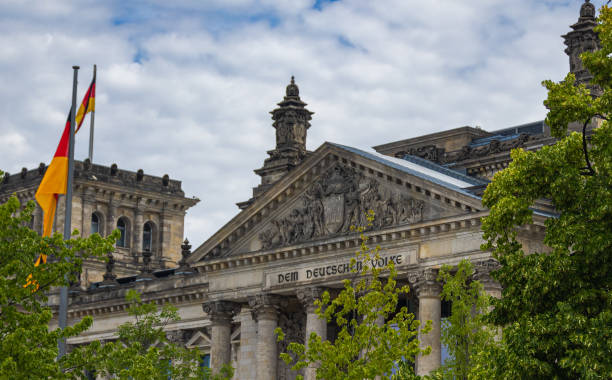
<point x="456" y="182"/>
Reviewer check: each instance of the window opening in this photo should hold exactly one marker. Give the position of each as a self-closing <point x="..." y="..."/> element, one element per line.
<point x="95" y="224"/>
<point x="121" y="228"/>
<point x="147" y="237"/>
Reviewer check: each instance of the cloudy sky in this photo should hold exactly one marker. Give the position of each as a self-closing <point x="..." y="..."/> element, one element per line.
<point x="185" y="86"/>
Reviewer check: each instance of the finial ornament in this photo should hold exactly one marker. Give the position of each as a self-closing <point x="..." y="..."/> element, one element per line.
<point x="185" y="251"/>
<point x="292" y="90"/>
<point x="110" y="278"/>
<point x="184" y="267"/>
<point x="146" y="273"/>
<point x="291" y="122"/>
<point x="587" y="10"/>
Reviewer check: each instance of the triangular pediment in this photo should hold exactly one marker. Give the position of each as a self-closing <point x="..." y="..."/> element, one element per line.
<point x="198" y="339"/>
<point x="331" y="191"/>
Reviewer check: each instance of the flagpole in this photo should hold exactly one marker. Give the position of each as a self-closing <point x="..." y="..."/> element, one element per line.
<point x="63" y="307"/>
<point x="91" y="128"/>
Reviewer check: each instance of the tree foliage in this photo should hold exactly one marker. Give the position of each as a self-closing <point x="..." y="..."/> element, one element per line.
<point x="365" y="346"/>
<point x="142" y="349"/>
<point x="466" y="332"/>
<point x="557" y="303"/>
<point x="28" y="346"/>
<point x="28" y="342"/>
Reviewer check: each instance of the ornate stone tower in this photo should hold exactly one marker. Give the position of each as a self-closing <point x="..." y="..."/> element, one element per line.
<point x="581" y="39"/>
<point x="291" y="121"/>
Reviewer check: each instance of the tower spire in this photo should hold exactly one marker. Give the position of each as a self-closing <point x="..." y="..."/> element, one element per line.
<point x="291" y="121"/>
<point x="581" y="39"/>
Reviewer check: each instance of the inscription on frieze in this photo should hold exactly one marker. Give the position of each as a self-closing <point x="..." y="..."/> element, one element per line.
<point x="341" y="267"/>
<point x="339" y="200"/>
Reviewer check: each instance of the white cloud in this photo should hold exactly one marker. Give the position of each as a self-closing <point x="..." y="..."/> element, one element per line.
<point x="186" y="89"/>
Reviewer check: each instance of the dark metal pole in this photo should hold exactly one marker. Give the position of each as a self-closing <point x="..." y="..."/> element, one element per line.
<point x="91" y="127"/>
<point x="63" y="308"/>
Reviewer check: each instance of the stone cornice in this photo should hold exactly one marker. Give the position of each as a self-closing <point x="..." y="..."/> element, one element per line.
<point x="412" y="231"/>
<point x="431" y="138"/>
<point x="112" y="300"/>
<point x="423" y="230"/>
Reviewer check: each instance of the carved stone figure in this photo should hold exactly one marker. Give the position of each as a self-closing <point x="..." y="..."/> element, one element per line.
<point x="428" y="152"/>
<point x="340" y="199"/>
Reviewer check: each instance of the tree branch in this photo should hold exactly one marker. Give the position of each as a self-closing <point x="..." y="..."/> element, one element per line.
<point x="588" y="170"/>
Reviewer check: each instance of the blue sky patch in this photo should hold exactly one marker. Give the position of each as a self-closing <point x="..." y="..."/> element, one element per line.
<point x="319" y="4"/>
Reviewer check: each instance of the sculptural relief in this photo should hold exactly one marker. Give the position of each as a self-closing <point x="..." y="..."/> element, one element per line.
<point x="339" y="200"/>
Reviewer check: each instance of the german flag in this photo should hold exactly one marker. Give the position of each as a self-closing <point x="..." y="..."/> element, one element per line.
<point x="55" y="180"/>
<point x="87" y="105"/>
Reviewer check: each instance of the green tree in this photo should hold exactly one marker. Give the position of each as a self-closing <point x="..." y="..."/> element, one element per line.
<point x="28" y="346"/>
<point x="142" y="350"/>
<point x="556" y="308"/>
<point x="364" y="347"/>
<point x="466" y="332"/>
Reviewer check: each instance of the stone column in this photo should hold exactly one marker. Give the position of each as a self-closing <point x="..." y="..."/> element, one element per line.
<point x="247" y="361"/>
<point x="482" y="274"/>
<point x="220" y="315"/>
<point x="265" y="309"/>
<point x="430" y="309"/>
<point x="314" y="324"/>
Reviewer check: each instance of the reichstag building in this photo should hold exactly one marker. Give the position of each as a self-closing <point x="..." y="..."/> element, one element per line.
<point x="292" y="239"/>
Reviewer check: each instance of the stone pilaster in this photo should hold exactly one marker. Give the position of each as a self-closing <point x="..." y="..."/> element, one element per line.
<point x="220" y="315"/>
<point x="430" y="309"/>
<point x="38" y="219"/>
<point x="314" y="324"/>
<point x="137" y="228"/>
<point x="164" y="238"/>
<point x="89" y="204"/>
<point x="111" y="218"/>
<point x="482" y="274"/>
<point x="265" y="310"/>
<point x="247" y="360"/>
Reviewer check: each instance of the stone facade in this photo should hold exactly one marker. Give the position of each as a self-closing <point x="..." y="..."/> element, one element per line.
<point x="102" y="197"/>
<point x="265" y="267"/>
<point x="293" y="239"/>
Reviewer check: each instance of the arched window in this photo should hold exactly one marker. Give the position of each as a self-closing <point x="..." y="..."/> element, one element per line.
<point x="95" y="224"/>
<point x="122" y="227"/>
<point x="147" y="237"/>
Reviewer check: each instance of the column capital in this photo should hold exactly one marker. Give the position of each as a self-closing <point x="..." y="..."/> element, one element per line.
<point x="425" y="283"/>
<point x="265" y="306"/>
<point x="308" y="295"/>
<point x="482" y="273"/>
<point x="220" y="312"/>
